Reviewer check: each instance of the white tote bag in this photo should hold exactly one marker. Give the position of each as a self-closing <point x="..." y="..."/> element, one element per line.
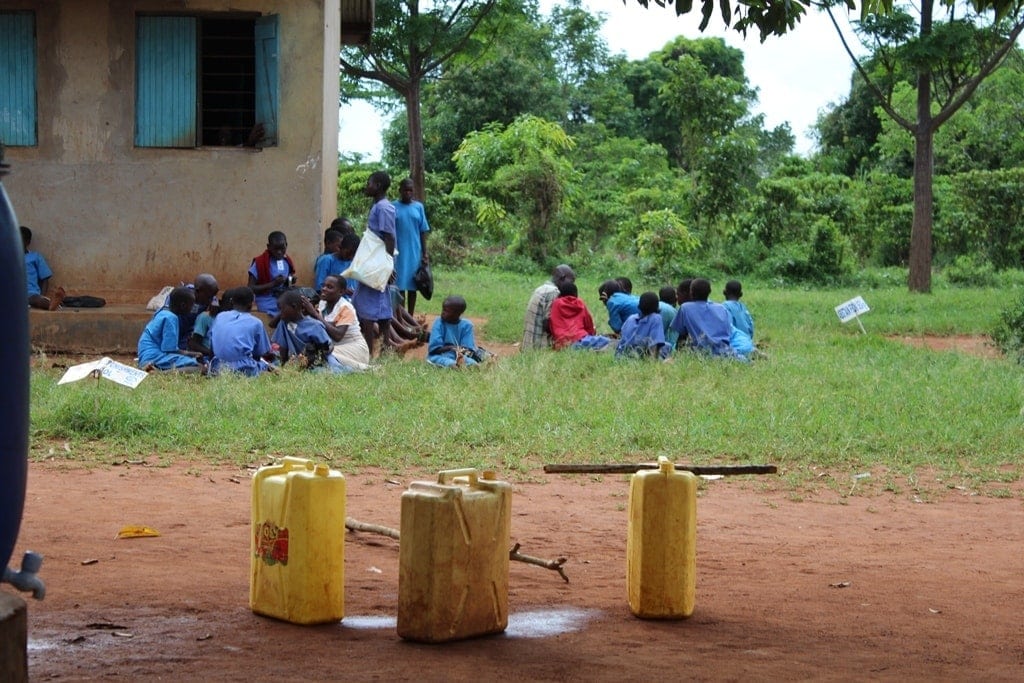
<point x="371" y="265"/>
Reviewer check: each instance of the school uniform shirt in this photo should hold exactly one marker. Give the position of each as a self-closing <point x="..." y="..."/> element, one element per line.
<point x="620" y="306"/>
<point x="641" y="333"/>
<point x="239" y="340"/>
<point x="741" y="319"/>
<point x="36" y="270"/>
<point x="708" y="325"/>
<point x="369" y="303"/>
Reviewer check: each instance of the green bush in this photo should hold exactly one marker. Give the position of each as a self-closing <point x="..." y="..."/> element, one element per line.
<point x="1008" y="333"/>
<point x="971" y="270"/>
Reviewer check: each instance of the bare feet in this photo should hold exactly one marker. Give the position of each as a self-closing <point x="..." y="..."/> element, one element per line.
<point x="57" y="299"/>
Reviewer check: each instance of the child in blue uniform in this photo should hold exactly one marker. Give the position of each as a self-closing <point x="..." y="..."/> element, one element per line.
<point x="37" y="276"/>
<point x="304" y="337"/>
<point x="741" y="318"/>
<point x="271" y="272"/>
<point x="452" y="343"/>
<point x="158" y="344"/>
<point x="238" y="339"/>
<point x="619" y="304"/>
<point x="374" y="307"/>
<point x="643" y="333"/>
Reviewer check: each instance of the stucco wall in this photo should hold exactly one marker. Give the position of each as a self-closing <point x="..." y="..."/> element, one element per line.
<point x="120" y="221"/>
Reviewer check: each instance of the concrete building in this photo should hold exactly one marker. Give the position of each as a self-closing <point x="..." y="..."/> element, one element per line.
<point x="151" y="140"/>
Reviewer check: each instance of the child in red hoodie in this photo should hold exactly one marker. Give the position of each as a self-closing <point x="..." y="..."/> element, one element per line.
<point x="571" y="322"/>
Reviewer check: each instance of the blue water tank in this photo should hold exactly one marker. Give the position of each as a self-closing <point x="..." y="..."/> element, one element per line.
<point x="14" y="363"/>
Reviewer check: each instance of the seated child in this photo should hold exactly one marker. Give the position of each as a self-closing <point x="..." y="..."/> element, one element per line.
<point x="571" y="323"/>
<point x="238" y="339"/>
<point x="328" y="263"/>
<point x="620" y="305"/>
<point x="158" y="344"/>
<point x="37" y="275"/>
<point x="667" y="308"/>
<point x="205" y="287"/>
<point x="451" y="338"/>
<point x="741" y="319"/>
<point x="302" y="336"/>
<point x="271" y="273"/>
<point x="706" y="323"/>
<point x="643" y="333"/>
<point x="342" y="325"/>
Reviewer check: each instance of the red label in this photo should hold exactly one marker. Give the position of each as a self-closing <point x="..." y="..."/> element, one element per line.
<point x="272" y="543"/>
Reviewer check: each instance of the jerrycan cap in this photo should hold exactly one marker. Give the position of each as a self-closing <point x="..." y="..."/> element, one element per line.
<point x="665" y="466"/>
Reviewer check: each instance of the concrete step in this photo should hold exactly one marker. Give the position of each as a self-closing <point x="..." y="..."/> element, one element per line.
<point x="115" y="328"/>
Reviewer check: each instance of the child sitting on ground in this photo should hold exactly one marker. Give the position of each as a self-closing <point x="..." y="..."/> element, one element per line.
<point x="158" y="344"/>
<point x="328" y="263"/>
<point x="643" y="333"/>
<point x="303" y="336"/>
<point x="37" y="275"/>
<point x="667" y="306"/>
<point x="571" y="322"/>
<point x="741" y="318"/>
<point x="619" y="304"/>
<point x="706" y="323"/>
<point x="238" y="339"/>
<point x="451" y="338"/>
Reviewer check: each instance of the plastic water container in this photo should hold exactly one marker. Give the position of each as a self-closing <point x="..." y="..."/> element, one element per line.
<point x="298" y="542"/>
<point x="453" y="557"/>
<point x="661" y="544"/>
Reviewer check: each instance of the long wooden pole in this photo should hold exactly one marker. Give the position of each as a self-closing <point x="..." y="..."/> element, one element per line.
<point x="630" y="468"/>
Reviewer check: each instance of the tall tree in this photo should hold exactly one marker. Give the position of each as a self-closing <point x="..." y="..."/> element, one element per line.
<point x="1004" y="19"/>
<point x="408" y="46"/>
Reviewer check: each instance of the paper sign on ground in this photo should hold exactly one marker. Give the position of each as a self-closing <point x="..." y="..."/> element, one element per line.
<point x="851" y="309"/>
<point x="120" y="373"/>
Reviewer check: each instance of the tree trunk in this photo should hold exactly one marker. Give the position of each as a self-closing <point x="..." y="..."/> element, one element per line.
<point x="920" y="277"/>
<point x="416" y="163"/>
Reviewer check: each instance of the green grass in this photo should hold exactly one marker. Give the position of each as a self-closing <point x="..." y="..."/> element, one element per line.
<point x="828" y="399"/>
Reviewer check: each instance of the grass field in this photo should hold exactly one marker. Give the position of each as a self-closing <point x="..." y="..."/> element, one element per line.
<point x="828" y="400"/>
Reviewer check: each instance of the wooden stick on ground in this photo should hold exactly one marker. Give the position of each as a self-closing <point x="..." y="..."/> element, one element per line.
<point x="514" y="554"/>
<point x="630" y="468"/>
<point x="555" y="565"/>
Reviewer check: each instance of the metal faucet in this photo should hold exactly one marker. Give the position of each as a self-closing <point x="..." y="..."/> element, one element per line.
<point x="28" y="578"/>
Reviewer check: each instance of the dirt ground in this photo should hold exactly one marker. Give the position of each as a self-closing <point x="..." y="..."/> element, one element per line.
<point x="874" y="586"/>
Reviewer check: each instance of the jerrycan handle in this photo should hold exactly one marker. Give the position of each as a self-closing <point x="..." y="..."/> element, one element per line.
<point x="290" y="462"/>
<point x="445" y="476"/>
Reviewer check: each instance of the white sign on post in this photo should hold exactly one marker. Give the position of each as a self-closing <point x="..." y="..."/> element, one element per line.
<point x="851" y="310"/>
<point x="120" y="373"/>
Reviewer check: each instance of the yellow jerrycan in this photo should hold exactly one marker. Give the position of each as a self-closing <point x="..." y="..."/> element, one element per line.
<point x="297" y="545"/>
<point x="453" y="557"/>
<point x="661" y="544"/>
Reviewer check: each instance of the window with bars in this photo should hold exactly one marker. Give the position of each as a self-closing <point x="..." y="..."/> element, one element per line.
<point x="206" y="81"/>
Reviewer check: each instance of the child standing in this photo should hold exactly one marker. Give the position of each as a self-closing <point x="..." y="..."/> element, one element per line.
<point x="643" y="333"/>
<point x="374" y="307"/>
<point x="238" y="339"/>
<point x="158" y="344"/>
<point x="271" y="272"/>
<point x="571" y="322"/>
<point x="452" y="343"/>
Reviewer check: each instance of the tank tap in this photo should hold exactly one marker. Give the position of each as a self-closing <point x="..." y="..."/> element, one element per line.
<point x="28" y="578"/>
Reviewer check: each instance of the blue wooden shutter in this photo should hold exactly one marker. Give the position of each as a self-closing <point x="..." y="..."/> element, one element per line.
<point x="266" y="77"/>
<point x="18" y="79"/>
<point x="165" y="82"/>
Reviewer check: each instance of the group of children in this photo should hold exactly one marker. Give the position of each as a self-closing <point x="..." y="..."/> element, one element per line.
<point x="653" y="325"/>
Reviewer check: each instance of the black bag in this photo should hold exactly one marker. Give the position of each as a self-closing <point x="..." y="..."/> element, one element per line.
<point x="83" y="301"/>
<point x="424" y="281"/>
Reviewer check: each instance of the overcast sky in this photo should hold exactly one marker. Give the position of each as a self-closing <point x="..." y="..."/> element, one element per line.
<point x="796" y="75"/>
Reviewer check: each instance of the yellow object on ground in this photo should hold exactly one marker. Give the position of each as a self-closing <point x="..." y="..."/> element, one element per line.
<point x="453" y="557"/>
<point x="661" y="544"/>
<point x="297" y="546"/>
<point x="134" y="531"/>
